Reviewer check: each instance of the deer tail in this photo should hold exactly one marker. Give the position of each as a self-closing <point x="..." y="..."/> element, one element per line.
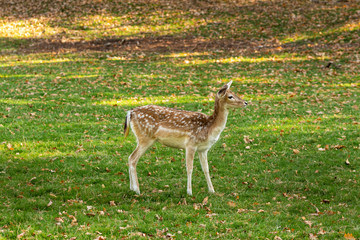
<point x="127" y="124"/>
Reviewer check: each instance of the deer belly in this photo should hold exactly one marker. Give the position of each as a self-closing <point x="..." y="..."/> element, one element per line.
<point x="174" y="143"/>
<point x="171" y="137"/>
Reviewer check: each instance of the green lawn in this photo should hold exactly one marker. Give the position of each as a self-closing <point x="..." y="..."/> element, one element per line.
<point x="285" y="167"/>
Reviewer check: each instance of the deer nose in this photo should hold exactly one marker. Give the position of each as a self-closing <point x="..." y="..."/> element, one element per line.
<point x="245" y="103"/>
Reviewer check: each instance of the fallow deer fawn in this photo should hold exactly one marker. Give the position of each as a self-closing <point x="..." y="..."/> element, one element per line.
<point x="192" y="131"/>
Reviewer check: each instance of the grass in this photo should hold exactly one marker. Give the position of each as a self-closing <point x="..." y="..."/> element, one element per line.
<point x="63" y="161"/>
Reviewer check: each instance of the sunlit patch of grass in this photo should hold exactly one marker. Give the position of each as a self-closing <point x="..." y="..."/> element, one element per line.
<point x="346" y="85"/>
<point x="36" y="59"/>
<point x="239" y="59"/>
<point x="346" y="28"/>
<point x="107" y="25"/>
<point x="16" y="101"/>
<point x="27" y="28"/>
<point x="162" y="100"/>
<point x="184" y="54"/>
<point x="349" y="27"/>
<point x="98" y="26"/>
<point x="16" y="75"/>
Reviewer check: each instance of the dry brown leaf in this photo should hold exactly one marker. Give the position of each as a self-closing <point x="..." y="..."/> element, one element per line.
<point x="241" y="210"/>
<point x="312" y="236"/>
<point x="50" y="203"/>
<point x="196" y="206"/>
<point x="321" y="232"/>
<point x="308" y="222"/>
<point x="59" y="220"/>
<point x="100" y="238"/>
<point x="205" y="201"/>
<point x="21" y="235"/>
<point x="247" y="139"/>
<point x="9" y="146"/>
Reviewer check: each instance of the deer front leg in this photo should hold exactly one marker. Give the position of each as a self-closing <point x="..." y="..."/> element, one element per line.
<point x="133" y="160"/>
<point x="190" y="152"/>
<point x="205" y="168"/>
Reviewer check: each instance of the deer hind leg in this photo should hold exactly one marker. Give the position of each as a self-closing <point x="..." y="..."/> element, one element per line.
<point x="205" y="168"/>
<point x="133" y="160"/>
<point x="190" y="152"/>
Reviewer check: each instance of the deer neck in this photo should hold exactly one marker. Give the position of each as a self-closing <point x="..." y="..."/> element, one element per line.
<point x="218" y="119"/>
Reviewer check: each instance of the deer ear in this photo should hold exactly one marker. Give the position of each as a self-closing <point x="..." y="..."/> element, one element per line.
<point x="222" y="91"/>
<point x="229" y="84"/>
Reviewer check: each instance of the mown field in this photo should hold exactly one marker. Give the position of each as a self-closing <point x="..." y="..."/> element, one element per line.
<point x="285" y="167"/>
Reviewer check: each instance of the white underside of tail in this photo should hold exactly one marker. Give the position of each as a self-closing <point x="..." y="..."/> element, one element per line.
<point x="128" y="115"/>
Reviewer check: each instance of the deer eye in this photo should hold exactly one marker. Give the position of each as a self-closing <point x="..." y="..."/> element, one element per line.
<point x="230" y="97"/>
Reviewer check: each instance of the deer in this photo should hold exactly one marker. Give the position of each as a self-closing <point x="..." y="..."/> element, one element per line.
<point x="192" y="131"/>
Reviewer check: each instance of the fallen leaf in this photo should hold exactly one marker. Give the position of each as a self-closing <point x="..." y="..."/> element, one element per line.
<point x="312" y="236"/>
<point x="73" y="220"/>
<point x="231" y="204"/>
<point x="59" y="220"/>
<point x="100" y="238"/>
<point x="321" y="232"/>
<point x="121" y="211"/>
<point x="182" y="202"/>
<point x="196" y="206"/>
<point x="20" y="235"/>
<point x="160" y="233"/>
<point x="349" y="236"/>
<point x="158" y="217"/>
<point x="205" y="201"/>
<point x="307" y="222"/>
<point x="241" y="210"/>
<point x="247" y="139"/>
<point x="9" y="146"/>
<point x="295" y="151"/>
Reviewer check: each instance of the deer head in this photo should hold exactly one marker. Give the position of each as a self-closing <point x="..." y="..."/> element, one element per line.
<point x="228" y="99"/>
